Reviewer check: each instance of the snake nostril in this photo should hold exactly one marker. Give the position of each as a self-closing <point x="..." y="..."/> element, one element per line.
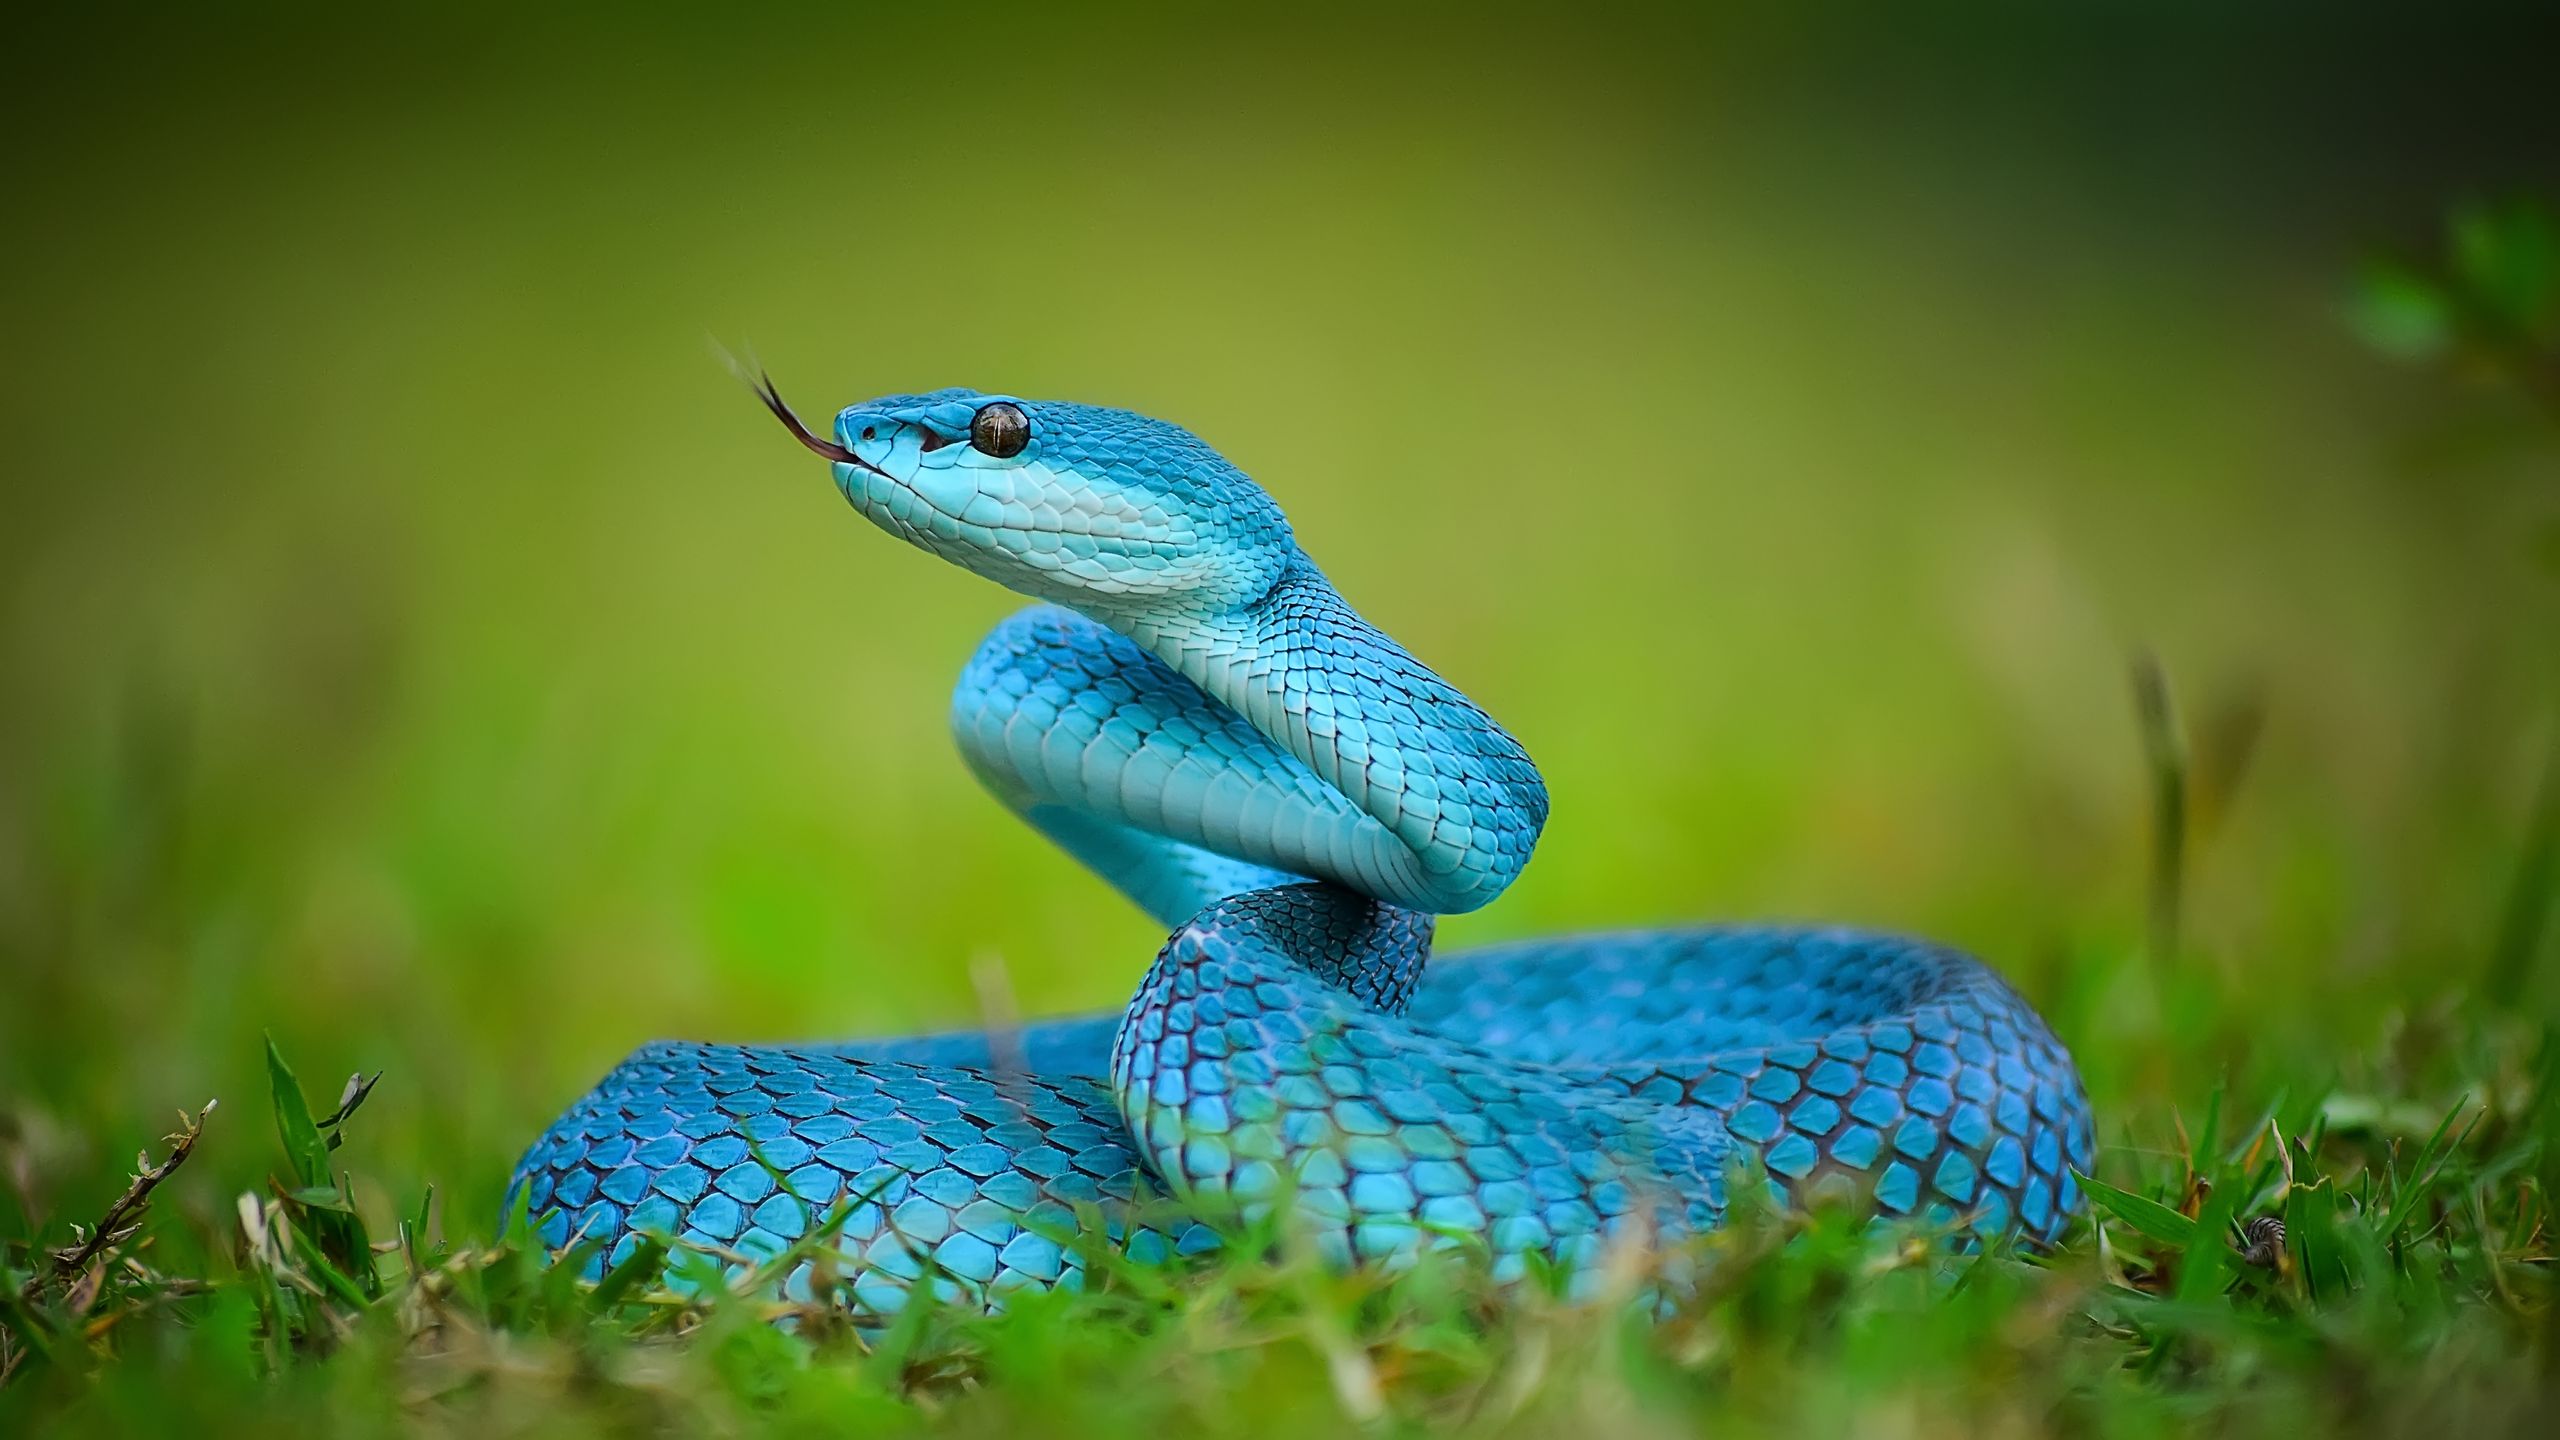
<point x="870" y="432"/>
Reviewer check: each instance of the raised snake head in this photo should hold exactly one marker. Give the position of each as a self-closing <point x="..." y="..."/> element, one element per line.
<point x="1104" y="510"/>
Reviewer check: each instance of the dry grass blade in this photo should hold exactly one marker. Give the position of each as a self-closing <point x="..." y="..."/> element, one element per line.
<point x="121" y="1220"/>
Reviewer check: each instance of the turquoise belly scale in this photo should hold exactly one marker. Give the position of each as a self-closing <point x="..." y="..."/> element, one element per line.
<point x="1197" y="714"/>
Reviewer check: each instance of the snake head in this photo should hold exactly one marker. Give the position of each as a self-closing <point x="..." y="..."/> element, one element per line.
<point x="1104" y="510"/>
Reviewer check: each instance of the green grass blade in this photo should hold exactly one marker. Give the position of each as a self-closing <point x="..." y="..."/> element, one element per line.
<point x="2145" y="1216"/>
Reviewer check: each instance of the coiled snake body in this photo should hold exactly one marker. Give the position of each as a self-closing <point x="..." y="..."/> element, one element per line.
<point x="1201" y="718"/>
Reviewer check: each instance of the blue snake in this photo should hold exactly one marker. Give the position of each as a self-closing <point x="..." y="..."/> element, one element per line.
<point x="1197" y="714"/>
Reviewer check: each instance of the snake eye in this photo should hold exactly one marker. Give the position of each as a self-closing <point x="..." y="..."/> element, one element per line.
<point x="1000" y="430"/>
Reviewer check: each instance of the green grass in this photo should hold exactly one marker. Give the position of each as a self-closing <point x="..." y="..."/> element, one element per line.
<point x="412" y="647"/>
<point x="2409" y="1293"/>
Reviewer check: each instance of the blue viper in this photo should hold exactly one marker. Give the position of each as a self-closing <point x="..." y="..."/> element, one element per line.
<point x="1197" y="714"/>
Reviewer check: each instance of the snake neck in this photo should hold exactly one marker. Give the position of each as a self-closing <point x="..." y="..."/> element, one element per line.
<point x="1373" y="951"/>
<point x="1375" y="724"/>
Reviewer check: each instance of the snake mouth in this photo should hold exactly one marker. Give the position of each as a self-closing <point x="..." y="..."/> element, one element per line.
<point x="817" y="444"/>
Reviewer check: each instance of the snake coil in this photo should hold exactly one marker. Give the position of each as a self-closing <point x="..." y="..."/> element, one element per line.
<point x="1197" y="715"/>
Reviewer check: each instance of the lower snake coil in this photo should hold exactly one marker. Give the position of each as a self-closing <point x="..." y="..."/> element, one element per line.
<point x="1197" y="715"/>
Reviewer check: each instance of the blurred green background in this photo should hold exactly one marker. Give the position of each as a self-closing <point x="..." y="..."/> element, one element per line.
<point x="1787" y="421"/>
